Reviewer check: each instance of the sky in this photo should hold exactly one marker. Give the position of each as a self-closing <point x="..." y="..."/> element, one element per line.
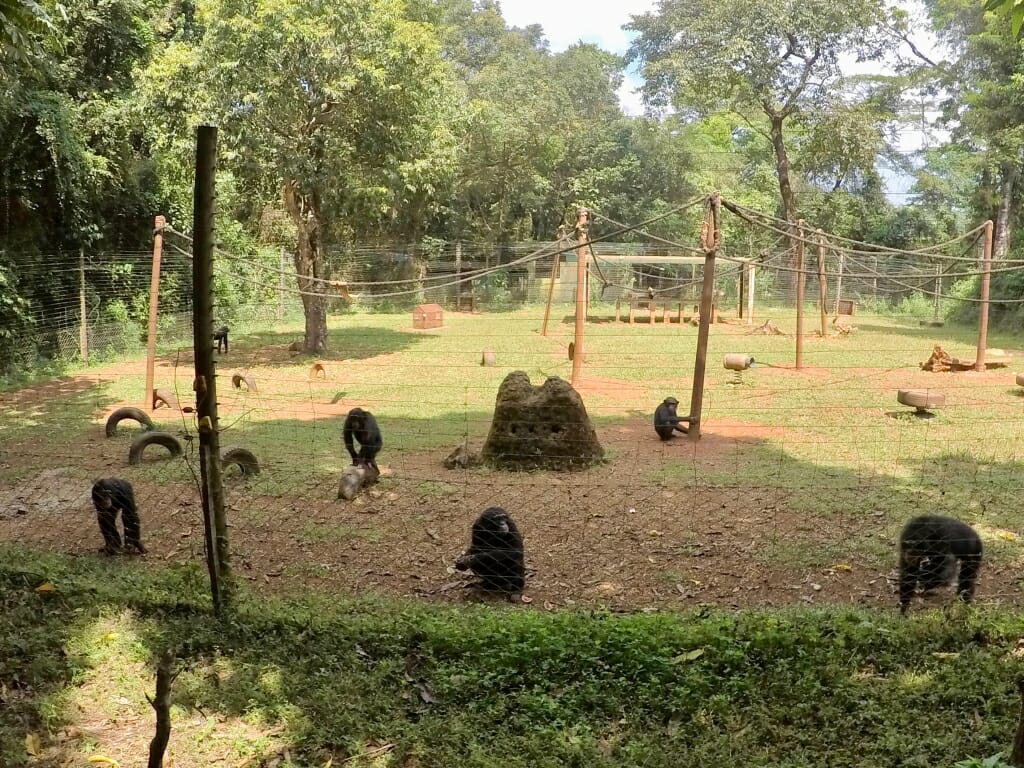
<point x="566" y="22"/>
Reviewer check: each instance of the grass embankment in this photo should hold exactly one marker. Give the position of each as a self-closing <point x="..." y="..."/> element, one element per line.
<point x="403" y="684"/>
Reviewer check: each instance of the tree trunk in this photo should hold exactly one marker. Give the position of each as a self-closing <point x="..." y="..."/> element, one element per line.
<point x="1009" y="172"/>
<point x="788" y="279"/>
<point x="304" y="211"/>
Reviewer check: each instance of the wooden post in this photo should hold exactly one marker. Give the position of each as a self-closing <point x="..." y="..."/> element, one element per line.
<point x="741" y="290"/>
<point x="283" y="267"/>
<point x="582" y="223"/>
<point x="839" y="280"/>
<point x="938" y="291"/>
<point x="83" y="323"/>
<point x="750" y="292"/>
<point x="986" y="280"/>
<point x="707" y="297"/>
<point x="800" y="294"/>
<point x="551" y="289"/>
<point x="154" y="297"/>
<point x="1017" y="752"/>
<point x="205" y="386"/>
<point x="822" y="285"/>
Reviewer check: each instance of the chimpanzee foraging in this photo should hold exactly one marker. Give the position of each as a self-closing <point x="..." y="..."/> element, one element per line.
<point x="111" y="496"/>
<point x="930" y="546"/>
<point x="361" y="426"/>
<point x="495" y="553"/>
<point x="220" y="335"/>
<point x="666" y="421"/>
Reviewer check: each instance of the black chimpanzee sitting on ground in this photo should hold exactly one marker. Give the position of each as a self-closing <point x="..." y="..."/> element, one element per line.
<point x="930" y="546"/>
<point x="361" y="427"/>
<point x="111" y="496"/>
<point x="666" y="421"/>
<point x="495" y="553"/>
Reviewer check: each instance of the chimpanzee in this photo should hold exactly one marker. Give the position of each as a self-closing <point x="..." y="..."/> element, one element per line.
<point x="111" y="496"/>
<point x="495" y="553"/>
<point x="220" y="335"/>
<point x="666" y="422"/>
<point x="361" y="425"/>
<point x="930" y="545"/>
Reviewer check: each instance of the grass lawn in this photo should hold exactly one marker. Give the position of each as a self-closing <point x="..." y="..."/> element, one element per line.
<point x="720" y="603"/>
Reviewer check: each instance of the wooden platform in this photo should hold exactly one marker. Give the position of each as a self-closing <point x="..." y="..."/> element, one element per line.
<point x="648" y="310"/>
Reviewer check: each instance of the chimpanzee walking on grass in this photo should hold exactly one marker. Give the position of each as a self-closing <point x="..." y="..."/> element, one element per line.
<point x="111" y="496"/>
<point x="930" y="546"/>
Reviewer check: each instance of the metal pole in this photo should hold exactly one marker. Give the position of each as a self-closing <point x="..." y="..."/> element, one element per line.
<point x="741" y="290"/>
<point x="750" y="293"/>
<point x="283" y="267"/>
<point x="986" y="279"/>
<point x="458" y="274"/>
<point x="938" y="291"/>
<point x="800" y="294"/>
<point x="822" y="286"/>
<point x="839" y="280"/>
<point x="707" y="298"/>
<point x="154" y="297"/>
<point x="206" y="381"/>
<point x="83" y="328"/>
<point x="551" y="289"/>
<point x="582" y="222"/>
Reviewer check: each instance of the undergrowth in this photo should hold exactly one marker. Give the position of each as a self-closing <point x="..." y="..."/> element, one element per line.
<point x="393" y="683"/>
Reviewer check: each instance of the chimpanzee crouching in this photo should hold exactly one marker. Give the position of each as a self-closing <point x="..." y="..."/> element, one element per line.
<point x="495" y="553"/>
<point x="930" y="546"/>
<point x="111" y="496"/>
<point x="666" y="421"/>
<point x="361" y="427"/>
<point x="220" y="335"/>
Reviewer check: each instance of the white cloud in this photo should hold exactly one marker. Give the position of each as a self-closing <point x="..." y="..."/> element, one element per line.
<point x="567" y="22"/>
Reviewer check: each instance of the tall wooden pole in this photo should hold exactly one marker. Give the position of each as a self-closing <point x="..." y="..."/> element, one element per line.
<point x="938" y="293"/>
<point x="154" y="297"/>
<point x="83" y="327"/>
<point x="707" y="300"/>
<point x="582" y="224"/>
<point x="800" y="294"/>
<point x="822" y="285"/>
<point x="986" y="280"/>
<point x="458" y="275"/>
<point x="206" y="379"/>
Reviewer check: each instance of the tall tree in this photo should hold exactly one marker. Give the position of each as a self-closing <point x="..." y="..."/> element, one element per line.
<point x="770" y="63"/>
<point x="341" y="109"/>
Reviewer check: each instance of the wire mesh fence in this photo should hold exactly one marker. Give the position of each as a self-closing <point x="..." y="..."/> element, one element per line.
<point x="795" y="493"/>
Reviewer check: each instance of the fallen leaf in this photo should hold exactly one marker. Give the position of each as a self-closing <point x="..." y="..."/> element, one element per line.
<point x="841" y="567"/>
<point x="526" y="599"/>
<point x="110" y="636"/>
<point x="32" y="744"/>
<point x="945" y="655"/>
<point x="46" y="587"/>
<point x="693" y="655"/>
<point x="1007" y="536"/>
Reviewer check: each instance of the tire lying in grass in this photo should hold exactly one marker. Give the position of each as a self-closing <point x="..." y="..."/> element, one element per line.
<point x="238" y="379"/>
<point x="921" y="399"/>
<point x="165" y="397"/>
<point x="243" y="458"/>
<point x="127" y="412"/>
<point x="166" y="439"/>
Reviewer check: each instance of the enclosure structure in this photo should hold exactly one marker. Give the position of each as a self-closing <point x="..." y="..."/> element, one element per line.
<point x="428" y="316"/>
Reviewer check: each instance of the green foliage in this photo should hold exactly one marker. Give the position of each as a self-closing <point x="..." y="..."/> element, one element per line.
<point x="485" y="686"/>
